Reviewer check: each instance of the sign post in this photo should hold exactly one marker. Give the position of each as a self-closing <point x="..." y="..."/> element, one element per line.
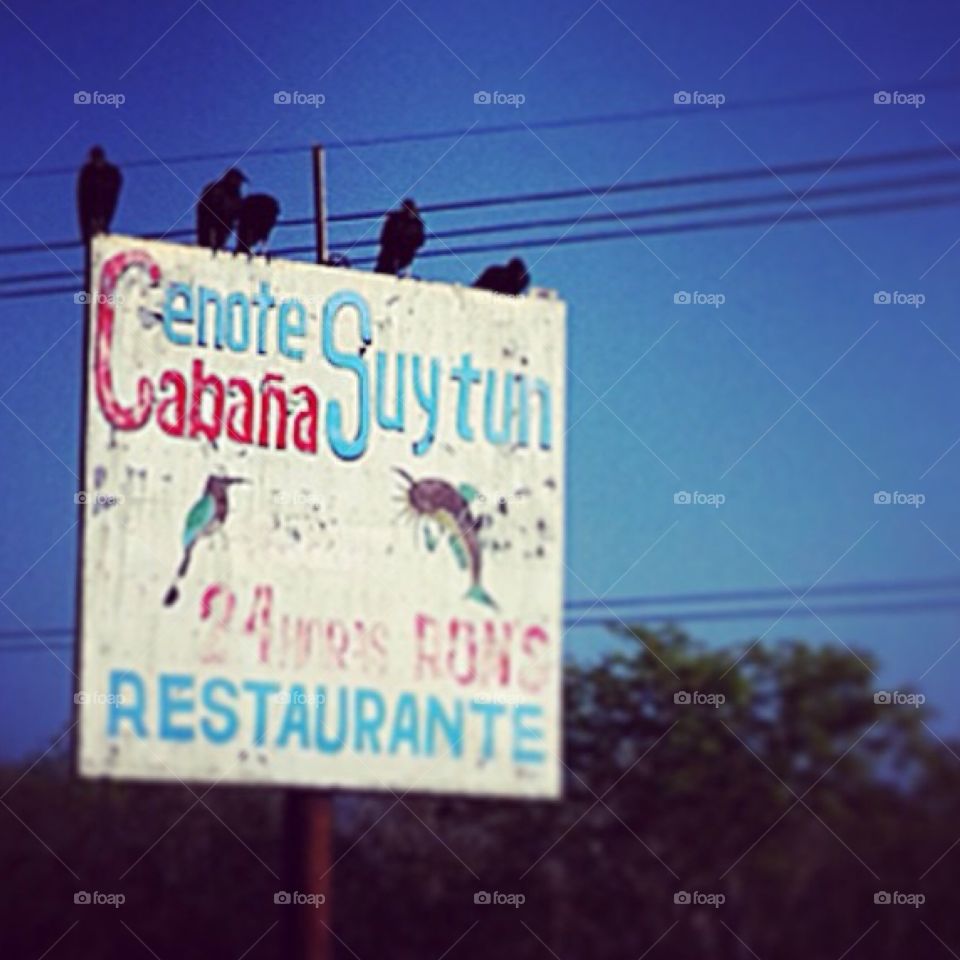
<point x="308" y="814"/>
<point x="308" y="868"/>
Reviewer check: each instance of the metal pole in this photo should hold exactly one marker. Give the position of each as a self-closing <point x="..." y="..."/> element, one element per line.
<point x="320" y="201"/>
<point x="309" y="870"/>
<point x="308" y="826"/>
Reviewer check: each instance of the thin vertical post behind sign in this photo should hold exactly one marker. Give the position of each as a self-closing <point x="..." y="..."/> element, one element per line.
<point x="320" y="201"/>
<point x="308" y="816"/>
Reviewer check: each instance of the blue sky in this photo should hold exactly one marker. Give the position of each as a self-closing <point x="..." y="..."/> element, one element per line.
<point x="662" y="397"/>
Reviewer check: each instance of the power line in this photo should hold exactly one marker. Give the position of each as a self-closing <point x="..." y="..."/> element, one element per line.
<point x="857" y="588"/>
<point x="694" y="226"/>
<point x="737" y="175"/>
<point x="755" y="613"/>
<point x="459" y="133"/>
<point x="615" y="605"/>
<point x="728" y="203"/>
<point x="698" y="206"/>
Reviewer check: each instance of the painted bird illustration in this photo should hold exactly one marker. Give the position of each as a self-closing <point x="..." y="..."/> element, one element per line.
<point x="400" y="239"/>
<point x="98" y="189"/>
<point x="218" y="208"/>
<point x="206" y="516"/>
<point x="511" y="278"/>
<point x="258" y="216"/>
<point x="449" y="507"/>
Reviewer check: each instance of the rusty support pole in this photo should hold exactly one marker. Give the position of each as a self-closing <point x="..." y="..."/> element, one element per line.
<point x="309" y="871"/>
<point x="308" y="815"/>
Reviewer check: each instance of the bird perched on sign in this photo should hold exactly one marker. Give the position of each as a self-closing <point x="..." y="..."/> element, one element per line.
<point x="98" y="189"/>
<point x="511" y="278"/>
<point x="258" y="216"/>
<point x="206" y="516"/>
<point x="400" y="239"/>
<point x="218" y="209"/>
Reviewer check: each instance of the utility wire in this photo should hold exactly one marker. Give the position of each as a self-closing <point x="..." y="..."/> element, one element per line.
<point x="693" y="226"/>
<point x="618" y="618"/>
<point x="857" y="588"/>
<point x="459" y="133"/>
<point x="611" y="604"/>
<point x="755" y="613"/>
<point x="728" y="203"/>
<point x="909" y="203"/>
<point x="739" y="175"/>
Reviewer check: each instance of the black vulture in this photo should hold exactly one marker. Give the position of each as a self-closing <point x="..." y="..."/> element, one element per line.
<point x="402" y="236"/>
<point x="218" y="208"/>
<point x="98" y="188"/>
<point x="258" y="216"/>
<point x="511" y="278"/>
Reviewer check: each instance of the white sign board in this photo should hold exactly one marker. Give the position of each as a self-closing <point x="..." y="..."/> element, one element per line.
<point x="322" y="527"/>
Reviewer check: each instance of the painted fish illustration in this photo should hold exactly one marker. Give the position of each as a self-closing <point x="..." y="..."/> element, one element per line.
<point x="449" y="507"/>
<point x="206" y="516"/>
